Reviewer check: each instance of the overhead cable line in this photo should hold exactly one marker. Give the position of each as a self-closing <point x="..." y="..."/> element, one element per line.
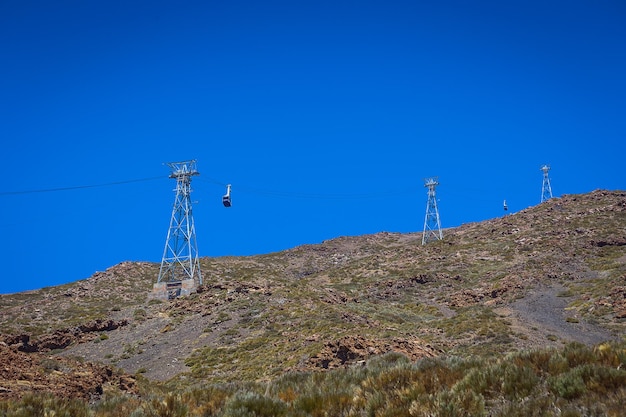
<point x="240" y="188"/>
<point x="314" y="196"/>
<point x="79" y="187"/>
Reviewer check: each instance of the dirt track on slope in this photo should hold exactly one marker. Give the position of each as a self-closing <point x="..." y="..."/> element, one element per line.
<point x="543" y="317"/>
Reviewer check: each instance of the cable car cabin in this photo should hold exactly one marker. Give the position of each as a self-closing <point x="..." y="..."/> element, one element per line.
<point x="226" y="198"/>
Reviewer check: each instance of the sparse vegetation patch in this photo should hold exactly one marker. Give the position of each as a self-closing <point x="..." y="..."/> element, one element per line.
<point x="480" y="323"/>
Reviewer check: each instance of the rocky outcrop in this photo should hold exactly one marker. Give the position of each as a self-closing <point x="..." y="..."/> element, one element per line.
<point x="60" y="339"/>
<point x="352" y="349"/>
<point x="23" y="373"/>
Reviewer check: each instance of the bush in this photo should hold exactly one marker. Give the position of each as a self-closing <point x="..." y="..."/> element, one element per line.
<point x="387" y="361"/>
<point x="329" y="393"/>
<point x="534" y="406"/>
<point x="171" y="406"/>
<point x="578" y="354"/>
<point x="322" y="402"/>
<point x="463" y="403"/>
<point x="512" y="379"/>
<point x="289" y="386"/>
<point x="568" y="385"/>
<point x="118" y="406"/>
<point x="611" y="354"/>
<point x="251" y="404"/>
<point x="47" y="405"/>
<point x="518" y="381"/>
<point x="50" y="364"/>
<point x="140" y="314"/>
<point x="208" y="400"/>
<point x="437" y="374"/>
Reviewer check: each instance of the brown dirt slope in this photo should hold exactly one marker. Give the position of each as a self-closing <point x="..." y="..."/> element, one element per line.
<point x="548" y="275"/>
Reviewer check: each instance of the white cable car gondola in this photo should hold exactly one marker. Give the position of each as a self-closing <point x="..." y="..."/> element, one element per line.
<point x="505" y="206"/>
<point x="226" y="198"/>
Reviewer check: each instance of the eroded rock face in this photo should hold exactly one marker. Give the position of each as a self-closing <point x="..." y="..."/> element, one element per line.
<point x="60" y="339"/>
<point x="22" y="373"/>
<point x="352" y="349"/>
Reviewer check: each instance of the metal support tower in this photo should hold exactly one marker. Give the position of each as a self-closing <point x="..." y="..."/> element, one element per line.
<point x="546" y="189"/>
<point x="180" y="256"/>
<point x="432" y="225"/>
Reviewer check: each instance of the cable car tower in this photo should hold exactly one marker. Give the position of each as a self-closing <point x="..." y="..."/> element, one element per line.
<point x="180" y="269"/>
<point x="546" y="189"/>
<point x="432" y="225"/>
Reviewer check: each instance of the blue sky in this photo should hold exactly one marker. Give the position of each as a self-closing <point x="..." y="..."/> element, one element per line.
<point x="324" y="116"/>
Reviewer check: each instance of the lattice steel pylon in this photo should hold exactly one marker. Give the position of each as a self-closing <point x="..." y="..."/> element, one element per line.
<point x="180" y="256"/>
<point x="432" y="224"/>
<point x="546" y="189"/>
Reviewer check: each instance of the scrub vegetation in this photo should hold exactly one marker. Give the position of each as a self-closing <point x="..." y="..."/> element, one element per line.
<point x="519" y="315"/>
<point x="575" y="380"/>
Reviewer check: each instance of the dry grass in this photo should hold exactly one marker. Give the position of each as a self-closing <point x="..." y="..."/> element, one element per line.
<point x="263" y="318"/>
<point x="577" y="378"/>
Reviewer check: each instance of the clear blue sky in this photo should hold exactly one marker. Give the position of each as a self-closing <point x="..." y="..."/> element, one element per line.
<point x="305" y="107"/>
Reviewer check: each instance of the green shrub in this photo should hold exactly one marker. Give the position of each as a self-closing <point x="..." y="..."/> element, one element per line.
<point x="437" y="374"/>
<point x="482" y="380"/>
<point x="568" y="385"/>
<point x="140" y="314"/>
<point x="538" y="359"/>
<point x="390" y="390"/>
<point x="464" y="403"/>
<point x="534" y="406"/>
<point x="610" y="354"/>
<point x="118" y="406"/>
<point x="207" y="400"/>
<point x="50" y="364"/>
<point x="289" y="386"/>
<point x="557" y="364"/>
<point x="601" y="379"/>
<point x="509" y="378"/>
<point x="46" y="405"/>
<point x="171" y="406"/>
<point x="518" y="381"/>
<point x="386" y="361"/>
<point x="252" y="404"/>
<point x="577" y="354"/>
<point x="323" y="402"/>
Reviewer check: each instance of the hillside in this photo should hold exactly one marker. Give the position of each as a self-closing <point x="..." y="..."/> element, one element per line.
<point x="546" y="276"/>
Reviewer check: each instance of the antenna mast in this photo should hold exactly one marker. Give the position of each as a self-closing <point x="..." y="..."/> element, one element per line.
<point x="546" y="189"/>
<point x="432" y="225"/>
<point x="180" y="269"/>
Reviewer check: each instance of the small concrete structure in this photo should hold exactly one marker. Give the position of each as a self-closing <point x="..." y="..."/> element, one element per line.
<point x="159" y="291"/>
<point x="188" y="286"/>
<point x="173" y="289"/>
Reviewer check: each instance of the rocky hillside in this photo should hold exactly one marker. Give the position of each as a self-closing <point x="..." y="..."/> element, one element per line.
<point x="545" y="276"/>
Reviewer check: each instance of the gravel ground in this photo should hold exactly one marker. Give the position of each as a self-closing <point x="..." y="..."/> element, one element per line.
<point x="542" y="316"/>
